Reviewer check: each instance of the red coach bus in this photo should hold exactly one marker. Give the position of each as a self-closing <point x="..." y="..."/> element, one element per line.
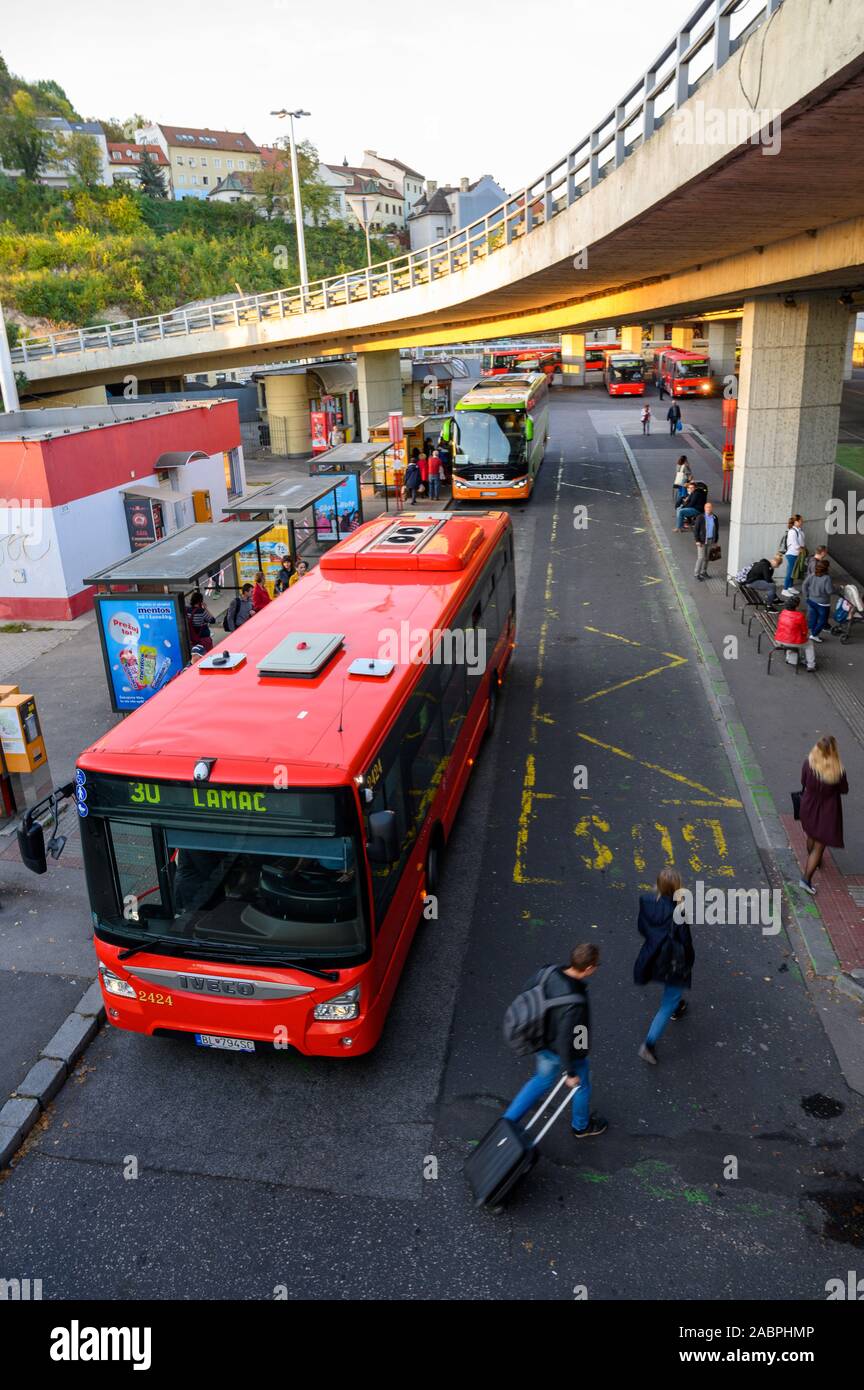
<point x="545" y="357"/>
<point x="595" y="358"/>
<point x="624" y="374"/>
<point x="260" y="838"/>
<point x="684" y="373"/>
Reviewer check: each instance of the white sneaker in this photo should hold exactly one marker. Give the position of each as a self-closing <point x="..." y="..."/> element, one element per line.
<point x="811" y="638"/>
<point x="787" y="593"/>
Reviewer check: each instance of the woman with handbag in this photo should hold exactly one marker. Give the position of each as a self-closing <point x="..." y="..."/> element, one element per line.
<point x="823" y="782"/>
<point x="666" y="956"/>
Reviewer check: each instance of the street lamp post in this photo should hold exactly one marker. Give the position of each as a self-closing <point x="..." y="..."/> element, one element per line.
<point x="298" y="202"/>
<point x="8" y="384"/>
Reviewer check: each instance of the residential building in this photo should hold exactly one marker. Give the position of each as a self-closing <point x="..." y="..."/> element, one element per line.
<point x="60" y="173"/>
<point x="406" y="179"/>
<point x="125" y="161"/>
<point x="200" y="159"/>
<point x="385" y="204"/>
<point x="446" y="209"/>
<point x="234" y="188"/>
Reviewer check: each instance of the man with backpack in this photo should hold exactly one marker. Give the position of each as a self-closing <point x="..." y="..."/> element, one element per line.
<point x="239" y="609"/>
<point x="551" y="1019"/>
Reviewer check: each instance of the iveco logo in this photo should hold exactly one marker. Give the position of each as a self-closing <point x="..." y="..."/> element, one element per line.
<point x="220" y="984"/>
<point x="211" y="984"/>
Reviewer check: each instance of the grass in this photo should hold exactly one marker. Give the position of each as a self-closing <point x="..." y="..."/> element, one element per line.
<point x="22" y="627"/>
<point x="851" y="456"/>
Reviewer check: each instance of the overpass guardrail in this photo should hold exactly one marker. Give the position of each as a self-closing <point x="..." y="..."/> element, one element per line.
<point x="711" y="35"/>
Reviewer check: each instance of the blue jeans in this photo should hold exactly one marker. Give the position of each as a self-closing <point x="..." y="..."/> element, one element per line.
<point x="817" y="616"/>
<point x="434" y="485"/>
<point x="683" y="513"/>
<point x="668" y="1004"/>
<point x="791" y="561"/>
<point x="548" y="1070"/>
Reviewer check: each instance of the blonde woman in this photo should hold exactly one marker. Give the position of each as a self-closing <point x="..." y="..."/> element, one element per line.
<point x="666" y="956"/>
<point x="823" y="782"/>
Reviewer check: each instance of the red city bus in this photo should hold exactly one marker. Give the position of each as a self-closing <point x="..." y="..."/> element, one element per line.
<point x="545" y="357"/>
<point x="595" y="357"/>
<point x="624" y="374"/>
<point x="684" y="373"/>
<point x="260" y="838"/>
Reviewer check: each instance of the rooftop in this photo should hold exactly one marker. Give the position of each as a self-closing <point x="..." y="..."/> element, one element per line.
<point x="193" y="138"/>
<point x="54" y="422"/>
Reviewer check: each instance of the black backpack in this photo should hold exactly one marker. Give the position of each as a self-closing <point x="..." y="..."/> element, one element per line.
<point x="525" y="1020"/>
<point x="229" y="622"/>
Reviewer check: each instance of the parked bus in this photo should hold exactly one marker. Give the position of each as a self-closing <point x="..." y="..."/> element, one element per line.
<point x="260" y="838"/>
<point x="544" y="357"/>
<point x="624" y="374"/>
<point x="497" y="437"/>
<point x="595" y="358"/>
<point x="684" y="373"/>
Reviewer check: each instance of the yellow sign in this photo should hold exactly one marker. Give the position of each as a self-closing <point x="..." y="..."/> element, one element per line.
<point x="273" y="544"/>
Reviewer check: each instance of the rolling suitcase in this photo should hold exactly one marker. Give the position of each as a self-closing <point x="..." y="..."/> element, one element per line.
<point x="507" y="1153"/>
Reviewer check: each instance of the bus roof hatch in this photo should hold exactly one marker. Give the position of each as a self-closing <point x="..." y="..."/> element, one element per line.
<point x="302" y="654"/>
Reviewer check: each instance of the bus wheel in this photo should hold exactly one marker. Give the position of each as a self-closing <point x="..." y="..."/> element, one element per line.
<point x="434" y="855"/>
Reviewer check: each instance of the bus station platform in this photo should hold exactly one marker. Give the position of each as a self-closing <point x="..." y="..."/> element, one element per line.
<point x="771" y="721"/>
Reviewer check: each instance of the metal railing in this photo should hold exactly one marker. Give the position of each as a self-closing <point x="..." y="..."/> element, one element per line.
<point x="713" y="32"/>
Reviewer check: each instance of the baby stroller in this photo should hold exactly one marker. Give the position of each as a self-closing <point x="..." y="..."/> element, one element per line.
<point x="848" y="610"/>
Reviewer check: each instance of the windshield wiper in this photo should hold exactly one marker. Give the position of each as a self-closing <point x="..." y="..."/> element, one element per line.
<point x="147" y="946"/>
<point x="207" y="952"/>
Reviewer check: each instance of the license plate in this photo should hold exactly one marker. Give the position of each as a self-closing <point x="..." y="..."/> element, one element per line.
<point x="226" y="1044"/>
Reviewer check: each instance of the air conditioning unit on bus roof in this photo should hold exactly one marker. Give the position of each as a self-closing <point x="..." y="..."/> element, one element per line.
<point x="418" y="542"/>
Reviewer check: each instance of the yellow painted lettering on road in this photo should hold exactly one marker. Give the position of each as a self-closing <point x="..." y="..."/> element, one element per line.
<point x="602" y="857"/>
<point x="694" y="834"/>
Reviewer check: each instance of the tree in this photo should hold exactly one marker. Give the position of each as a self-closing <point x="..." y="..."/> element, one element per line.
<point x="83" y="155"/>
<point x="51" y="98"/>
<point x="119" y="132"/>
<point x="274" y="188"/>
<point x="150" y="180"/>
<point x="316" y="195"/>
<point x="24" y="144"/>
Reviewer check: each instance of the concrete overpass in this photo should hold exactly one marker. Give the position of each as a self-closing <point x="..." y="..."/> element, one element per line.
<point x="728" y="176"/>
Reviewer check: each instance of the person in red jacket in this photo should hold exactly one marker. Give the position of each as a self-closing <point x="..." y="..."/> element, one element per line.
<point x="260" y="596"/>
<point x="422" y="461"/>
<point x="792" y="627"/>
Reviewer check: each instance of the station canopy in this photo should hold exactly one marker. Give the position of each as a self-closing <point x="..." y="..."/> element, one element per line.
<point x="184" y="557"/>
<point x="349" y="458"/>
<point x="291" y="496"/>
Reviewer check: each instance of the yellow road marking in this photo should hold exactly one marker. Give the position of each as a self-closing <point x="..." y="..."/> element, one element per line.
<point x="655" y="767"/>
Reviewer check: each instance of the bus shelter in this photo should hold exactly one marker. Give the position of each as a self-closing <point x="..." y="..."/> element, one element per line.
<point x="141" y="605"/>
<point x="296" y="511"/>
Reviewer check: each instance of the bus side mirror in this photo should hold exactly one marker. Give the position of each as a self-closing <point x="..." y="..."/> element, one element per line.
<point x="382" y="846"/>
<point x="529" y="428"/>
<point x="445" y="431"/>
<point x="31" y="846"/>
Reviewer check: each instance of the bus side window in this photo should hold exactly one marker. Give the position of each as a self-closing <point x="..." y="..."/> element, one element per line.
<point x="454" y="703"/>
<point x="423" y="749"/>
<point x="389" y="796"/>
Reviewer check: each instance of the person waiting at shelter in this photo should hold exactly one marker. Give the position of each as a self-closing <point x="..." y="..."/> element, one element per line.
<point x="239" y="609"/>
<point x="792" y="629"/>
<point x="285" y="575"/>
<point x="260" y="596"/>
<point x="412" y="479"/>
<point x="760" y="577"/>
<point x="673" y="415"/>
<point x="693" y="504"/>
<point x="433" y="468"/>
<point x="683" y="476"/>
<point x="818" y="591"/>
<point x="706" y="530"/>
<point x="820" y="553"/>
<point x="199" y="620"/>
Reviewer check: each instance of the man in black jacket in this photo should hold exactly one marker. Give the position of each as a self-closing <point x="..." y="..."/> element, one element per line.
<point x="706" y="530"/>
<point x="566" y="1043"/>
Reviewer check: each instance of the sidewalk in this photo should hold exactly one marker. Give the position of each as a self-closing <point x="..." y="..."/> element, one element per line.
<point x="783" y="715"/>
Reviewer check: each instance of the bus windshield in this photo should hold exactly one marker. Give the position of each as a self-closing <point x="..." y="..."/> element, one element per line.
<point x="490" y="436"/>
<point x="275" y="894"/>
<point x="695" y="367"/>
<point x="626" y="371"/>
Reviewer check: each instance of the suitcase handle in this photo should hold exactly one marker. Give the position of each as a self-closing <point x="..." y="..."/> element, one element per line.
<point x="551" y="1096"/>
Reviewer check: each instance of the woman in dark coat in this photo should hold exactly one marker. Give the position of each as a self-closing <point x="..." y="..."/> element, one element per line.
<point x="823" y="782"/>
<point x="666" y="956"/>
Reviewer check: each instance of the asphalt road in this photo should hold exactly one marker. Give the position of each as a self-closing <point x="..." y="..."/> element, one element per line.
<point x="343" y="1181"/>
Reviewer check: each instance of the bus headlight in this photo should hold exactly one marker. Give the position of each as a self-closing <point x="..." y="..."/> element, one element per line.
<point x="112" y="984"/>
<point x="339" y="1010"/>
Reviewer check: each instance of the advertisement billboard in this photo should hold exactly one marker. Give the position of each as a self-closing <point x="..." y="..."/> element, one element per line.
<point x="273" y="544"/>
<point x="337" y="516"/>
<point x="144" y="644"/>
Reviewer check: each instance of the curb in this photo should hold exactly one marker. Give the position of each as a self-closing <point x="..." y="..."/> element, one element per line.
<point x="775" y="851"/>
<point x="31" y="1098"/>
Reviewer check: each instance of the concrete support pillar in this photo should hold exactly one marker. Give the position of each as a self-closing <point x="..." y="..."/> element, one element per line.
<point x="850" y="347"/>
<point x="288" y="414"/>
<point x="379" y="387"/>
<point x="631" y="338"/>
<point x="722" y="341"/>
<point x="682" y="337"/>
<point x="658" y="332"/>
<point x="573" y="358"/>
<point x="788" y="417"/>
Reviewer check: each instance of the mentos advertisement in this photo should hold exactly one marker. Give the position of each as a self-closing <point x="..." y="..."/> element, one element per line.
<point x="144" y="642"/>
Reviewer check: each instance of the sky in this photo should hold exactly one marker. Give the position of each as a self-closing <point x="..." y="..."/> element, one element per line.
<point x="452" y="88"/>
